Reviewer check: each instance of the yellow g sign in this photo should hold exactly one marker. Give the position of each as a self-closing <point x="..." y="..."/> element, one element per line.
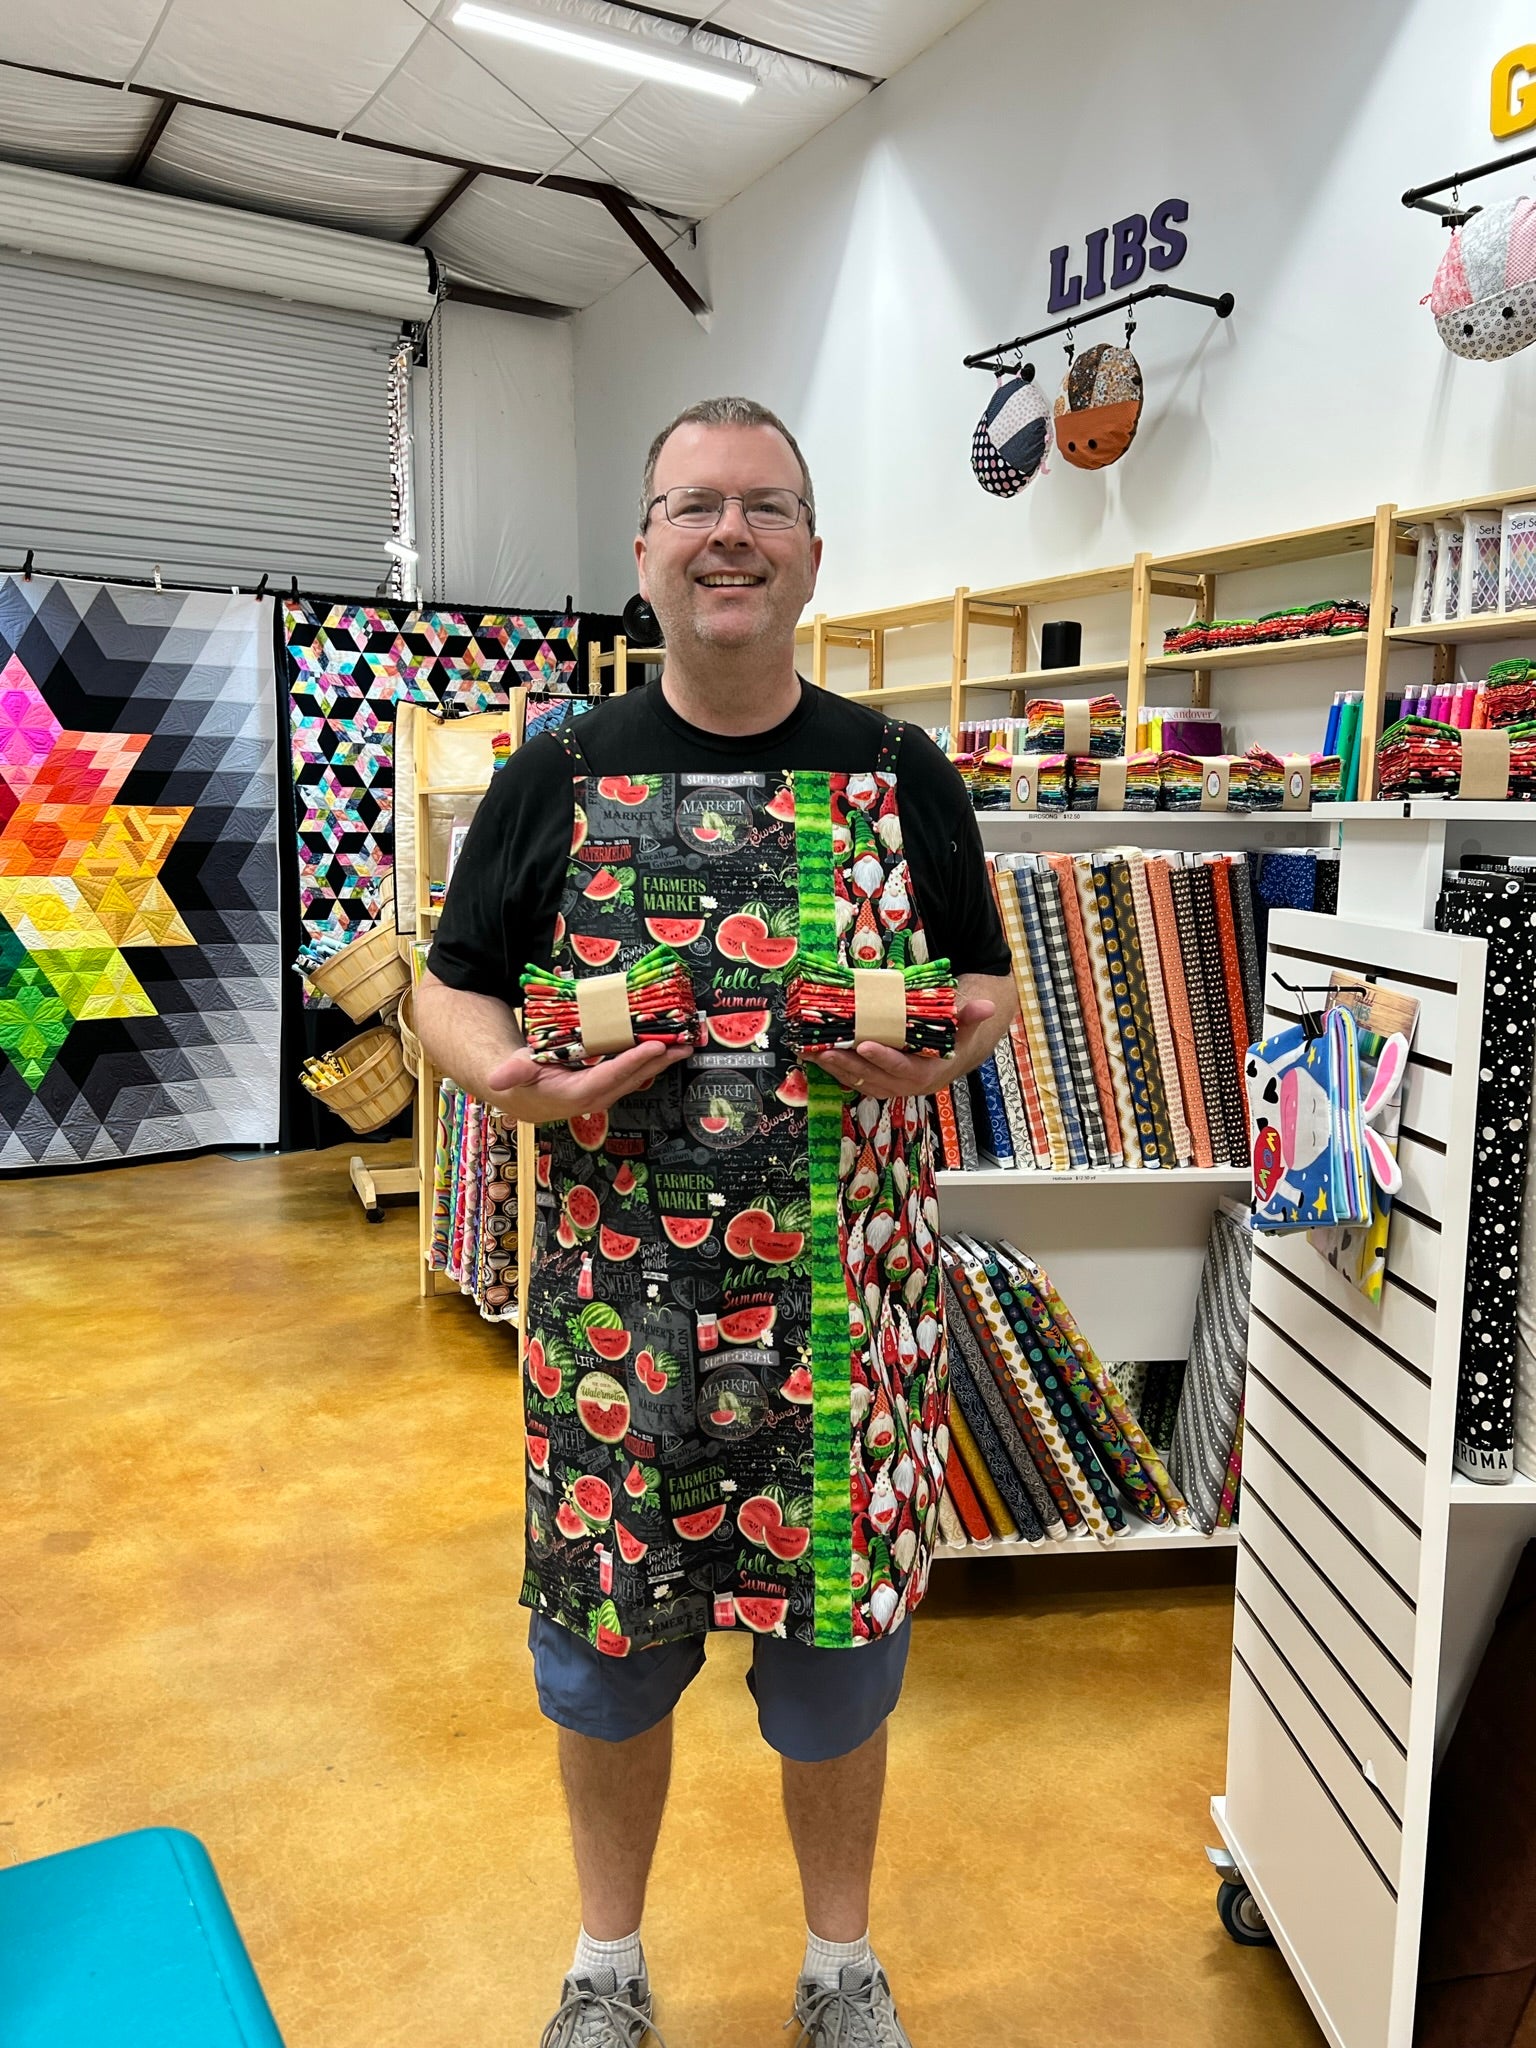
<point x="1513" y="104"/>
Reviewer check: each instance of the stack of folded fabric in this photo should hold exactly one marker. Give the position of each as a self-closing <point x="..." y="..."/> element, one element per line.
<point x="1181" y="778"/>
<point x="1053" y="782"/>
<point x="1419" y="757"/>
<point x="1266" y="778"/>
<point x="1303" y="622"/>
<point x="992" y="779"/>
<point x="1510" y="695"/>
<point x="1045" y="1446"/>
<point x="1141" y="782"/>
<point x="1045" y="723"/>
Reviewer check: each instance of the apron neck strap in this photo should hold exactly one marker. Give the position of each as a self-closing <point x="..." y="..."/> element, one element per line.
<point x="565" y="734"/>
<point x="890" y="746"/>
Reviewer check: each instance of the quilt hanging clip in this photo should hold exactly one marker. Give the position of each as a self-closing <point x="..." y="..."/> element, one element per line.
<point x="1311" y="1022"/>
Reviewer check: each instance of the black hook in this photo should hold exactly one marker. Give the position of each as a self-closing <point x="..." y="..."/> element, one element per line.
<point x="26" y="567"/>
<point x="261" y="588"/>
<point x="293" y="586"/>
<point x="1310" y="1022"/>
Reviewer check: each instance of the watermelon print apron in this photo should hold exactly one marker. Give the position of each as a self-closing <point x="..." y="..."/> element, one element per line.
<point x="736" y="1381"/>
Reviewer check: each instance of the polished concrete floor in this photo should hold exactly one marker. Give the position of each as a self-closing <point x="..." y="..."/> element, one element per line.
<point x="258" y="1579"/>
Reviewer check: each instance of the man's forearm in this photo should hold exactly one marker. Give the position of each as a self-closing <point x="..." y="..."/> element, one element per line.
<point x="466" y="1036"/>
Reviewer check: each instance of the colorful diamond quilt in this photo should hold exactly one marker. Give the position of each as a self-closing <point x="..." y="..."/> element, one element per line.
<point x="139" y="944"/>
<point x="348" y="665"/>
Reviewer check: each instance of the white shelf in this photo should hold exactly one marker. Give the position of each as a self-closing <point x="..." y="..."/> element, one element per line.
<point x="1480" y="626"/>
<point x="1452" y="807"/>
<point x="1117" y="1176"/>
<point x="1519" y="1493"/>
<point x="1139" y="1536"/>
<point x="1131" y="824"/>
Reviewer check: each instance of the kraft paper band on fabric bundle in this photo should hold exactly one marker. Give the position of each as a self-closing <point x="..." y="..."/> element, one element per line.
<point x="1024" y="787"/>
<point x="1485" y="765"/>
<point x="1077" y="727"/>
<point x="602" y="1004"/>
<point x="880" y="1005"/>
<point x="1112" y="784"/>
<point x="1296" y="783"/>
<point x="1215" y="775"/>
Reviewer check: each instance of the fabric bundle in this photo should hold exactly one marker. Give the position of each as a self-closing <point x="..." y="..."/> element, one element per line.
<point x="1181" y="778"/>
<point x="826" y="1012"/>
<point x="1141" y="781"/>
<point x="1048" y="1444"/>
<point x="1045" y="720"/>
<point x="1422" y="757"/>
<point x="1140" y="990"/>
<point x="1182" y="781"/>
<point x="567" y="1023"/>
<point x="1266" y="778"/>
<point x="1302" y="622"/>
<point x="474" y="1202"/>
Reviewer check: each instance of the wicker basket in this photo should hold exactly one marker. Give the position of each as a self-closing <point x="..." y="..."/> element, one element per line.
<point x="364" y="976"/>
<point x="405" y="1018"/>
<point x="378" y="1086"/>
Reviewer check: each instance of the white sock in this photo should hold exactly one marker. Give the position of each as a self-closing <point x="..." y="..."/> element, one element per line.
<point x="625" y="1958"/>
<point x="825" y="1961"/>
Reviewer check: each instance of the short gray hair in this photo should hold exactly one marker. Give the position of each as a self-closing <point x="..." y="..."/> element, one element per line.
<point x="724" y="412"/>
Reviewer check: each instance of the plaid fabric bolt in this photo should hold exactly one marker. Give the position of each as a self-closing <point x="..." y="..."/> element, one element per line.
<point x="1050" y="1014"/>
<point x="1031" y="1019"/>
<point x="1053" y="925"/>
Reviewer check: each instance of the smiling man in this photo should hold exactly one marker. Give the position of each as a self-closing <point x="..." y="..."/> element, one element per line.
<point x="736" y="1382"/>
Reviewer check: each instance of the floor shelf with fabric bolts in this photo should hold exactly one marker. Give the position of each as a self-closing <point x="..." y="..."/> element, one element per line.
<point x="443" y="768"/>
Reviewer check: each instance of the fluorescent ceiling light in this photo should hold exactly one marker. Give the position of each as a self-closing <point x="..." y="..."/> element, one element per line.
<point x="627" y="53"/>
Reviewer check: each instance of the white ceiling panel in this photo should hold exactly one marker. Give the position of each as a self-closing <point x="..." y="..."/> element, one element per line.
<point x="875" y="36"/>
<point x="104" y="37"/>
<point x="67" y="127"/>
<point x="527" y="239"/>
<point x="440" y="98"/>
<point x="727" y="147"/>
<point x="305" y="177"/>
<point x="314" y="60"/>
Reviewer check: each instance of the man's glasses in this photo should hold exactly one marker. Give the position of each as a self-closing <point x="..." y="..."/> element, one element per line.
<point x="770" y="510"/>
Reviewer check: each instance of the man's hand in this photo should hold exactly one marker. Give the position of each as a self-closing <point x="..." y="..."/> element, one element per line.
<point x="872" y="1069"/>
<point x="535" y="1094"/>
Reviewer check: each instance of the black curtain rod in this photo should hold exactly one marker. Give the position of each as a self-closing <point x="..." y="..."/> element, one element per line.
<point x="1420" y="195"/>
<point x="1221" y="307"/>
<point x="29" y="569"/>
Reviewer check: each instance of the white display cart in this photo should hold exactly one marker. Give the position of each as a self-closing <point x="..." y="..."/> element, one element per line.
<point x="1368" y="1579"/>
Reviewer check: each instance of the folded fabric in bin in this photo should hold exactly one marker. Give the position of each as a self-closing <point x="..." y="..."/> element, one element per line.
<point x="1141" y="782"/>
<point x="1046" y="720"/>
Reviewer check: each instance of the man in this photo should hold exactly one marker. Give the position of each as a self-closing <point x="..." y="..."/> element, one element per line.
<point x="735" y="1377"/>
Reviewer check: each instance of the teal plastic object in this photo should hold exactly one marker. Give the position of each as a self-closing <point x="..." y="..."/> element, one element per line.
<point x="127" y="1943"/>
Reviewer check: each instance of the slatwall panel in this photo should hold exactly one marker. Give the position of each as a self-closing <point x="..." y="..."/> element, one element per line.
<point x="1346" y="1473"/>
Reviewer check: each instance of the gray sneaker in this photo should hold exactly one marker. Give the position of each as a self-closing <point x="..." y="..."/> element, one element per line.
<point x="860" y="2013"/>
<point x="597" y="2011"/>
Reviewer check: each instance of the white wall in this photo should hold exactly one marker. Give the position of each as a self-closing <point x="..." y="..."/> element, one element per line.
<point x="849" y="283"/>
<point x="505" y="515"/>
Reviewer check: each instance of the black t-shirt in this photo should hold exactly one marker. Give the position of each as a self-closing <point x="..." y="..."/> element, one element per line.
<point x="506" y="889"/>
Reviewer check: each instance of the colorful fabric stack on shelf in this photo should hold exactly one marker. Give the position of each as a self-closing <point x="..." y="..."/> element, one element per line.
<point x="1423" y="757"/>
<point x="1045" y="726"/>
<point x="1302" y="622"/>
<point x="1142" y="783"/>
<point x="1509" y="695"/>
<point x="1266" y="778"/>
<point x="474" y="1203"/>
<point x="1044" y="1445"/>
<point x="1140" y="992"/>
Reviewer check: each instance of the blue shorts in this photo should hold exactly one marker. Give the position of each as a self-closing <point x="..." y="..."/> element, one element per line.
<point x="812" y="1705"/>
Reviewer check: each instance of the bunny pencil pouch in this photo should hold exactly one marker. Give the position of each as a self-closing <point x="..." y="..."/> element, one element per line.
<point x="1315" y="1150"/>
